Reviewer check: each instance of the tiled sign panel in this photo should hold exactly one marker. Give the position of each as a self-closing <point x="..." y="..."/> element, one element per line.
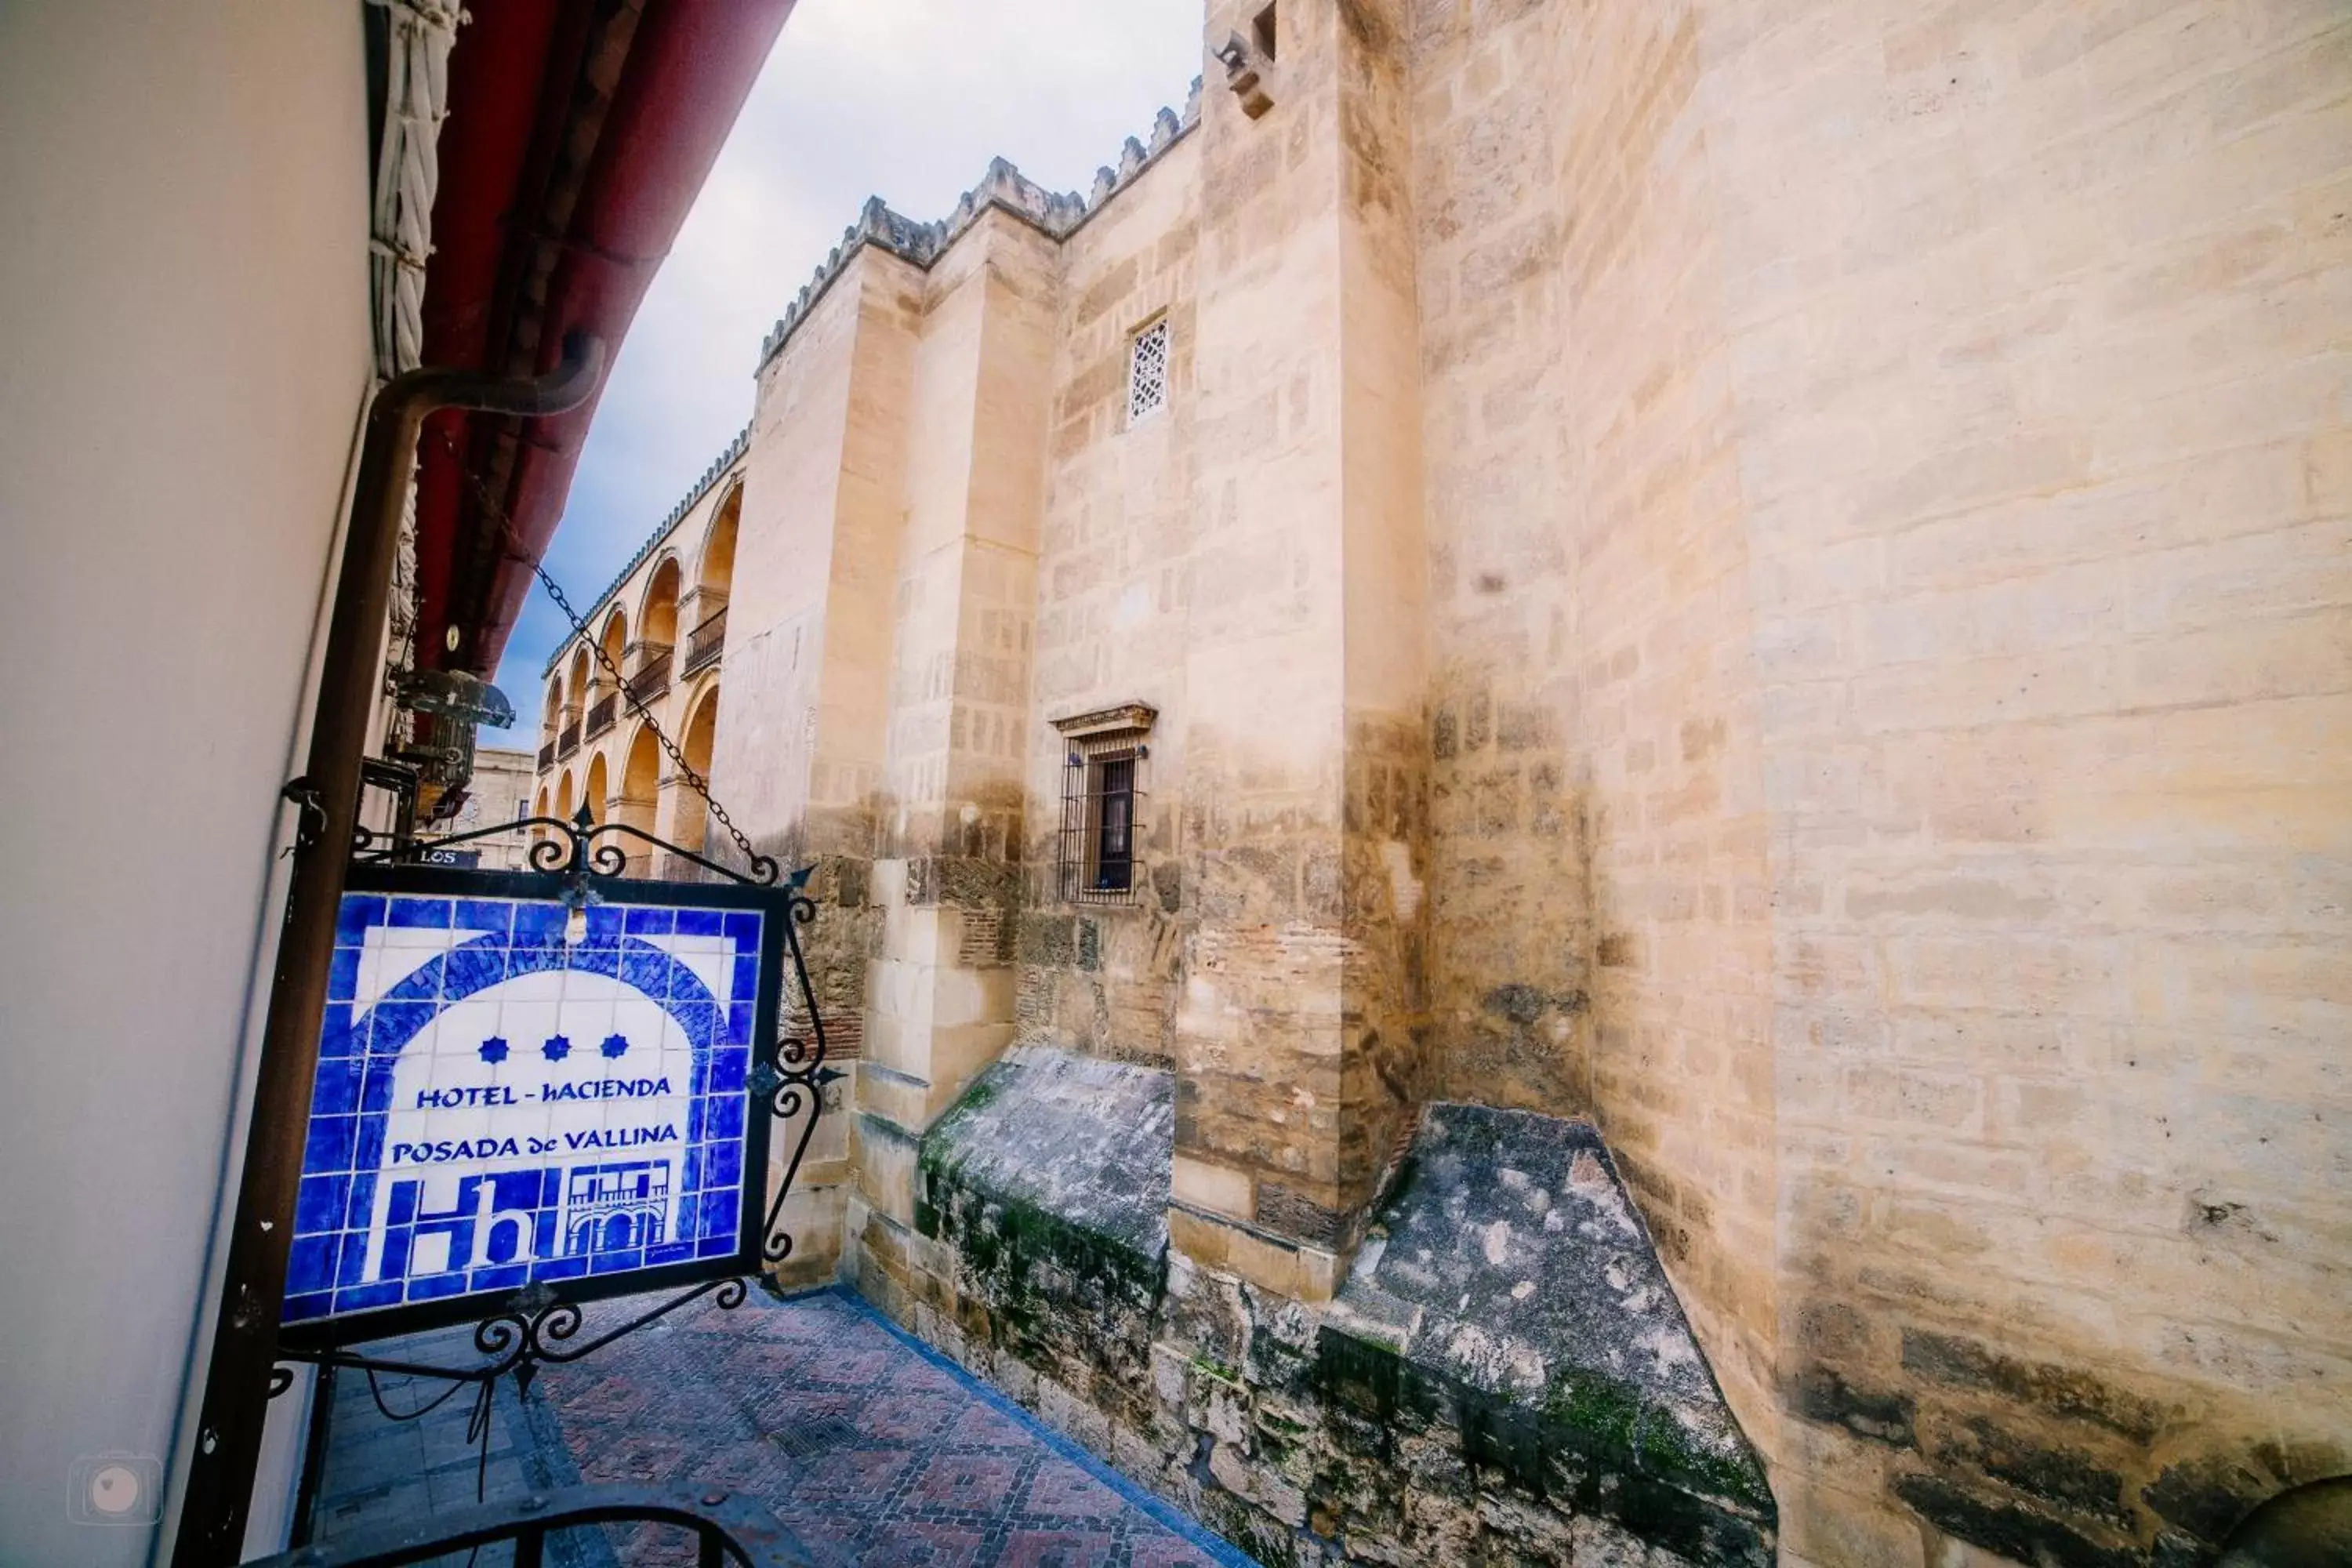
<point x="497" y="1104"/>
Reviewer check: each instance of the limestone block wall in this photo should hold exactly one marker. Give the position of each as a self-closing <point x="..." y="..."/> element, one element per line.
<point x="1510" y="938"/>
<point x="2042" y="409"/>
<point x="1938" y="587"/>
<point x="801" y="751"/>
<point x="1114" y="586"/>
<point x="941" y="992"/>
<point x="1666" y="727"/>
<point x="1771" y="575"/>
<point x="1598" y="842"/>
<point x="1300" y="1029"/>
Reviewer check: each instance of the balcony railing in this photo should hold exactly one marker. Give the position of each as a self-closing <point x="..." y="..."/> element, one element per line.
<point x="546" y="756"/>
<point x="567" y="740"/>
<point x="727" y="1530"/>
<point x="653" y="678"/>
<point x="600" y="714"/>
<point x="702" y="644"/>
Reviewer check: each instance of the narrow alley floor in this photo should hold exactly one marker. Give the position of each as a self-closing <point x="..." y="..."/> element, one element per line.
<point x="869" y="1446"/>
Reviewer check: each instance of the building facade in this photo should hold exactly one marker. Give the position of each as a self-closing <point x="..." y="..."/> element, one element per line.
<point x="1769" y="583"/>
<point x="501" y="791"/>
<point x="649" y="668"/>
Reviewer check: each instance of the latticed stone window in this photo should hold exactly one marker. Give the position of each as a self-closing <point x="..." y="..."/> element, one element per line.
<point x="1147" y="372"/>
<point x="1098" y="860"/>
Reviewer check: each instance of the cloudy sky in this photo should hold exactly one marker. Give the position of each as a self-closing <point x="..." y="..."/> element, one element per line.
<point x="906" y="99"/>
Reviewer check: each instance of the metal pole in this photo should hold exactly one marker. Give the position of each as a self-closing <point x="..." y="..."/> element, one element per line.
<point x="245" y="1342"/>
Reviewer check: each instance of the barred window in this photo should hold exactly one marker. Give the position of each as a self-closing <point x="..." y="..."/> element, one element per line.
<point x="1102" y="795"/>
<point x="1147" y="372"/>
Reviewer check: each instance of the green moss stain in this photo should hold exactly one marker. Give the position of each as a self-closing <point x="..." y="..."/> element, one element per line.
<point x="1600" y="1415"/>
<point x="1365" y="1376"/>
<point x="1617" y="1425"/>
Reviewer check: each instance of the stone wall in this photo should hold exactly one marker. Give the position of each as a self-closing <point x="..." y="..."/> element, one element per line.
<point x="2043" y="452"/>
<point x="1770" y="577"/>
<point x="1114" y="579"/>
<point x="1505" y="1378"/>
<point x="1933" y="602"/>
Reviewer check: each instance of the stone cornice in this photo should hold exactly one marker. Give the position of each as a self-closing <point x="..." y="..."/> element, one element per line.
<point x="1126" y="717"/>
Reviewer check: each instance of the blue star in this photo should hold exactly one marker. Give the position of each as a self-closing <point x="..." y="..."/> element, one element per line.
<point x="613" y="1047"/>
<point x="558" y="1046"/>
<point x="494" y="1050"/>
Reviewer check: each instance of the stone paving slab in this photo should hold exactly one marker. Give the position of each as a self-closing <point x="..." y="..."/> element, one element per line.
<point x="871" y="1448"/>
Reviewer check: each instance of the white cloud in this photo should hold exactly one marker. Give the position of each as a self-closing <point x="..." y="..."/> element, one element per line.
<point x="903" y="99"/>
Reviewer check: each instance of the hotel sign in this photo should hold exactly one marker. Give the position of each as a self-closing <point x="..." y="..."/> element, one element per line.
<point x="510" y="1095"/>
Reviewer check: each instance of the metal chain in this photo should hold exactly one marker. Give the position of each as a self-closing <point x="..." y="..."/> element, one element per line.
<point x="694" y="780"/>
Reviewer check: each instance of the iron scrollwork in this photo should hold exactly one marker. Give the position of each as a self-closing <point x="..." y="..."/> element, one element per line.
<point x="797" y="1076"/>
<point x="536" y="1326"/>
<point x="575" y="848"/>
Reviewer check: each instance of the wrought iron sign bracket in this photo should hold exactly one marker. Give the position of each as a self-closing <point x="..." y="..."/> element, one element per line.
<point x="310" y="809"/>
<point x="535" y="1327"/>
<point x="581" y="862"/>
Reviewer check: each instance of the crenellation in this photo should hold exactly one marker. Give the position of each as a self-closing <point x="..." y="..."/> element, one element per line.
<point x="1002" y="188"/>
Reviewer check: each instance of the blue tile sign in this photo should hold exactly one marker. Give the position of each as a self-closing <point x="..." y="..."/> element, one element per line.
<point x="508" y="1094"/>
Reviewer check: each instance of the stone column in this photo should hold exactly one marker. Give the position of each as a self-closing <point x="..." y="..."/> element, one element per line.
<point x="1299" y="1037"/>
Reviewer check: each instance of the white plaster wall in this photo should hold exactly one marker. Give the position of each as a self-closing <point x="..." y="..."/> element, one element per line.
<point x="183" y="299"/>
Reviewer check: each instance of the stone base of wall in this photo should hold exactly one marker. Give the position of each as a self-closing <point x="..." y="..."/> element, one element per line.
<point x="1506" y="1378"/>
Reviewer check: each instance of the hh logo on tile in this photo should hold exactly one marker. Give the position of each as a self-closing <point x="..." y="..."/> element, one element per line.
<point x="497" y="1104"/>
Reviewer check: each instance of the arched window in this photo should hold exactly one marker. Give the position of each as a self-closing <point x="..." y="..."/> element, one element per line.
<point x="701" y="730"/>
<point x="714" y="576"/>
<point x="640" y="796"/>
<point x="615" y="642"/>
<point x="596" y="789"/>
<point x="657" y="622"/>
<point x="717" y="573"/>
<point x="575" y="685"/>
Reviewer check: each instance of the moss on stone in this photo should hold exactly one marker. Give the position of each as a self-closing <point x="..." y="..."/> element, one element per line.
<point x="1609" y="1419"/>
<point x="1362" y="1373"/>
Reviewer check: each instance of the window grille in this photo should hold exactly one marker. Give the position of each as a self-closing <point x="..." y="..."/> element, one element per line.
<point x="1147" y="372"/>
<point x="1102" y="795"/>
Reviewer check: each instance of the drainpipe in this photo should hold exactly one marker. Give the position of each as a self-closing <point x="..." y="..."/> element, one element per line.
<point x="244" y="1340"/>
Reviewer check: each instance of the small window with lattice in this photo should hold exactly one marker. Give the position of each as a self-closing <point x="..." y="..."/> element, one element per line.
<point x="1147" y="372"/>
<point x="1098" y="860"/>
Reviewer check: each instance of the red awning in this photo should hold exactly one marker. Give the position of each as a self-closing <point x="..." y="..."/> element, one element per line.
<point x="578" y="134"/>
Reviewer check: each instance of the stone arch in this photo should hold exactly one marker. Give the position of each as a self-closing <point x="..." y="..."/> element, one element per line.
<point x="615" y="642"/>
<point x="701" y="731"/>
<point x="715" y="572"/>
<point x="575" y="684"/>
<point x="640" y="796"/>
<point x="553" y="719"/>
<point x="657" y="617"/>
<point x="563" y="802"/>
<point x="596" y="788"/>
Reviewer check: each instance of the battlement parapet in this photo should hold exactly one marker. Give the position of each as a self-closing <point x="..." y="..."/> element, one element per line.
<point x="1056" y="214"/>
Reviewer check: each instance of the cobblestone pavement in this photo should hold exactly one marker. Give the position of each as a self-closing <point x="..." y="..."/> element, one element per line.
<point x="868" y="1445"/>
